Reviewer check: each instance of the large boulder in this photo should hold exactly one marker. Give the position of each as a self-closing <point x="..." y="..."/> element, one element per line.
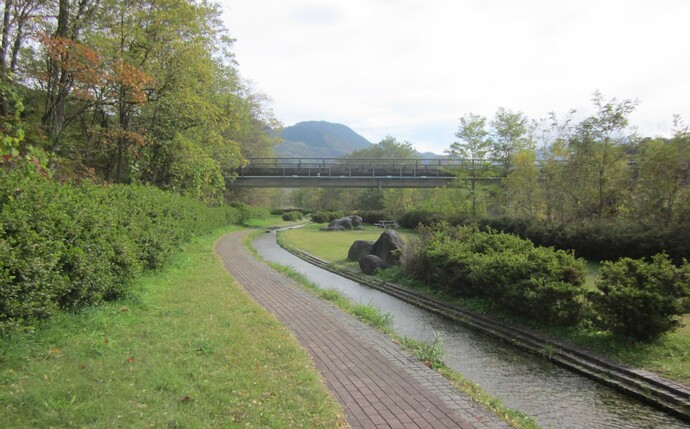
<point x="342" y="223"/>
<point x="359" y="249"/>
<point x="389" y="247"/>
<point x="370" y="263"/>
<point x="356" y="220"/>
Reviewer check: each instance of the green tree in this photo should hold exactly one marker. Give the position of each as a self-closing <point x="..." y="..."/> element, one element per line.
<point x="598" y="157"/>
<point x="509" y="135"/>
<point x="662" y="168"/>
<point x="471" y="150"/>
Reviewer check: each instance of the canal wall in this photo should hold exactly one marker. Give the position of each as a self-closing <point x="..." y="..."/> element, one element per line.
<point x="666" y="395"/>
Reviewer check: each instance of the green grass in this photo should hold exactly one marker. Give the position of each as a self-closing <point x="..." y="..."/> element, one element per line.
<point x="270" y="221"/>
<point x="593" y="268"/>
<point x="429" y="353"/>
<point x="333" y="245"/>
<point x="668" y="356"/>
<point x="189" y="349"/>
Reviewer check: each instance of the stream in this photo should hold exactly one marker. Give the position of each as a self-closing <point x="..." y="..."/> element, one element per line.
<point x="554" y="396"/>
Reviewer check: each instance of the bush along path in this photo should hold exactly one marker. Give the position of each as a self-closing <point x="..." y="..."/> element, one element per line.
<point x="377" y="383"/>
<point x="666" y="395"/>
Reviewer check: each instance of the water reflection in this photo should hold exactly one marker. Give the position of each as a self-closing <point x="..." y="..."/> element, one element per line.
<point x="555" y="397"/>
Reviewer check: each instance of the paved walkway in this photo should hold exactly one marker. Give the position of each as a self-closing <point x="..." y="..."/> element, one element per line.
<point x="379" y="385"/>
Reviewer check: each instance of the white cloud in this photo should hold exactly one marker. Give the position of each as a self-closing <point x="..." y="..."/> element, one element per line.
<point x="411" y="68"/>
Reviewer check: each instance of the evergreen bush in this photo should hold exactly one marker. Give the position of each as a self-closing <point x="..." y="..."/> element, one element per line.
<point x="642" y="299"/>
<point x="326" y="216"/>
<point x="70" y="246"/>
<point x="292" y="216"/>
<point x="534" y="282"/>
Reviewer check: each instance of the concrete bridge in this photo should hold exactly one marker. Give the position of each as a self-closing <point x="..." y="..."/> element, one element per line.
<point x="347" y="173"/>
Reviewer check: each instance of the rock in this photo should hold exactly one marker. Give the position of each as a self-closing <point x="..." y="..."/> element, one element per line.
<point x="359" y="249"/>
<point x="356" y="220"/>
<point x="389" y="247"/>
<point x="370" y="263"/>
<point x="343" y="222"/>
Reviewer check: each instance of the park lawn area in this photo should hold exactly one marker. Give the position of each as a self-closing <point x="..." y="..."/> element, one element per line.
<point x="668" y="356"/>
<point x="332" y="246"/>
<point x="188" y="349"/>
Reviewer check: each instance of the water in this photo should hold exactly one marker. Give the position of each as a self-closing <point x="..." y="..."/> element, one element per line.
<point x="555" y="397"/>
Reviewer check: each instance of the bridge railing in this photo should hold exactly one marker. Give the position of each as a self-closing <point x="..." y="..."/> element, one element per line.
<point x="404" y="167"/>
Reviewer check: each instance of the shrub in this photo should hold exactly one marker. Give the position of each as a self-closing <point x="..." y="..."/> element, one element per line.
<point x="642" y="300"/>
<point x="535" y="282"/>
<point x="66" y="246"/>
<point x="292" y="216"/>
<point x="325" y="217"/>
<point x="597" y="240"/>
<point x="372" y="216"/>
<point x="415" y="217"/>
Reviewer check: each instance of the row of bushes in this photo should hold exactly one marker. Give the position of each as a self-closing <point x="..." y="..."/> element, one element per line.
<point x="292" y="216"/>
<point x="70" y="246"/>
<point x="635" y="298"/>
<point x="596" y="240"/>
<point x="326" y="216"/>
<point x="280" y="212"/>
<point x="368" y="216"/>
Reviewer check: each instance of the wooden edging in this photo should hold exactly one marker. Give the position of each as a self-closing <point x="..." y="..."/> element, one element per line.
<point x="666" y="395"/>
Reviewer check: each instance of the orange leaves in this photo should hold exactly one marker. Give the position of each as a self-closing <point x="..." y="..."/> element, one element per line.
<point x="82" y="62"/>
<point x="93" y="74"/>
<point x="134" y="79"/>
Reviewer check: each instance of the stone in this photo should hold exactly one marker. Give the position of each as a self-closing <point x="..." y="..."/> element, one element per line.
<point x="389" y="247"/>
<point x="356" y="220"/>
<point x="370" y="263"/>
<point x="343" y="222"/>
<point x="359" y="249"/>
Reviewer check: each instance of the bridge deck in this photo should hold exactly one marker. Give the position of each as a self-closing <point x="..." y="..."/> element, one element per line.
<point x="347" y="173"/>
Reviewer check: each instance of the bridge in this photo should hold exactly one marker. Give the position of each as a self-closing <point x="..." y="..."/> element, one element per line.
<point x="346" y="173"/>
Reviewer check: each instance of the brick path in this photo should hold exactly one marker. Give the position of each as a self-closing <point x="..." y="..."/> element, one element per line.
<point x="379" y="385"/>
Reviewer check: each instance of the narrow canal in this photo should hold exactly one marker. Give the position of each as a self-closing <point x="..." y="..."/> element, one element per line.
<point x="555" y="397"/>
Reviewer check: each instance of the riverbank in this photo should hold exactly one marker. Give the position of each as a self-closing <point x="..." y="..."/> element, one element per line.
<point x="187" y="349"/>
<point x="551" y="349"/>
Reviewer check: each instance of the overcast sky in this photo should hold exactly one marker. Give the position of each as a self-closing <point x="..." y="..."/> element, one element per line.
<point x="412" y="68"/>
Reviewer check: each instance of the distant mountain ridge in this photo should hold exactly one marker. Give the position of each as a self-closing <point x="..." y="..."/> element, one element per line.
<point x="319" y="139"/>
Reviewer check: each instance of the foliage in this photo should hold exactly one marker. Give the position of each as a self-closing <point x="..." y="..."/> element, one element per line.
<point x="431" y="353"/>
<point x="168" y="350"/>
<point x="596" y="240"/>
<point x="131" y="92"/>
<point x="71" y="246"/>
<point x="325" y="216"/>
<point x="372" y="216"/>
<point x="293" y="216"/>
<point x="642" y="300"/>
<point x="538" y="283"/>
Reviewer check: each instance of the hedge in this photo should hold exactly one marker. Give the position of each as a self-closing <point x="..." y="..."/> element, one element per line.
<point x="597" y="240"/>
<point x="66" y="246"/>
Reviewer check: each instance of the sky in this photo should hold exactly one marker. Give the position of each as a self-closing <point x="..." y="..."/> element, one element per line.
<point x="412" y="68"/>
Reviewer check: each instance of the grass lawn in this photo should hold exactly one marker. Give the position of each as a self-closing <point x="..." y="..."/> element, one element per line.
<point x="188" y="349"/>
<point x="333" y="245"/>
<point x="669" y="356"/>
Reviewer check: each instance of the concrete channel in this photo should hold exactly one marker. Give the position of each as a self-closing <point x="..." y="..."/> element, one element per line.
<point x="670" y="397"/>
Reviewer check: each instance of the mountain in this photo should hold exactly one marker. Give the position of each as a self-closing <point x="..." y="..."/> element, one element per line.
<point x="319" y="139"/>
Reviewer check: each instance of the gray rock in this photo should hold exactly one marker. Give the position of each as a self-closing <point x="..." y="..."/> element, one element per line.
<point x="370" y="263"/>
<point x="343" y="222"/>
<point x="356" y="220"/>
<point x="389" y="247"/>
<point x="359" y="249"/>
